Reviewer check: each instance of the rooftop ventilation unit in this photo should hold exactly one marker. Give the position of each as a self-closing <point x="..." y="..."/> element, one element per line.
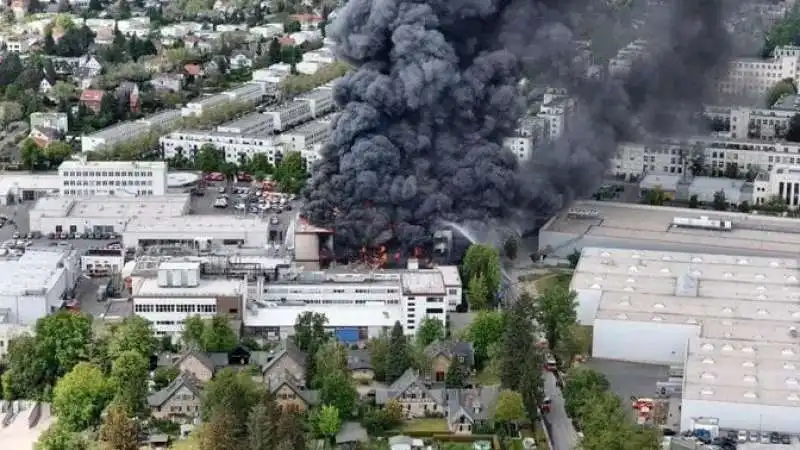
<point x="703" y="223"/>
<point x="583" y="213"/>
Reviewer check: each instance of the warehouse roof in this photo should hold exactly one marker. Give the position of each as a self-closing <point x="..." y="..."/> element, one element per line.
<point x="33" y="273"/>
<point x="11" y="181"/>
<point x="123" y="208"/>
<point x="652" y="225"/>
<point x="194" y="224"/>
<point x="423" y="282"/>
<point x="338" y="315"/>
<point x="112" y="165"/>
<point x="215" y="287"/>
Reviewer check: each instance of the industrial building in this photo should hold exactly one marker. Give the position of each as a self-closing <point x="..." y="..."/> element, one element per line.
<point x="732" y="320"/>
<point x="115" y="178"/>
<point x="102" y="214"/>
<point x="179" y="290"/>
<point x="634" y="226"/>
<point x="36" y="284"/>
<point x="247" y="93"/>
<point x="19" y="187"/>
<point x="359" y="305"/>
<point x="148" y="230"/>
<point x="108" y="137"/>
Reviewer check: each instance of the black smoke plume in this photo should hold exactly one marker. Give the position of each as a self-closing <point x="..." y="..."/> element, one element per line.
<point x="434" y="91"/>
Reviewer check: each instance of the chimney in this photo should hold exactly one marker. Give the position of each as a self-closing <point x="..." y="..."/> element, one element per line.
<point x="413" y="264"/>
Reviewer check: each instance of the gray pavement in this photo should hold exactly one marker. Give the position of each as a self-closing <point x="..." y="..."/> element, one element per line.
<point x="630" y="379"/>
<point x="562" y="433"/>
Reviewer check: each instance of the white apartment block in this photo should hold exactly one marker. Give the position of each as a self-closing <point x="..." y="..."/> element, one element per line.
<point x="287" y="115"/>
<point x="307" y="136"/>
<point x="320" y="99"/>
<point x="56" y="121"/>
<point x="548" y="124"/>
<point x="107" y="138"/>
<point x="234" y="146"/>
<point x="370" y="302"/>
<point x="754" y="77"/>
<point x="751" y="123"/>
<point x="247" y="93"/>
<point x="254" y="125"/>
<point x="117" y="178"/>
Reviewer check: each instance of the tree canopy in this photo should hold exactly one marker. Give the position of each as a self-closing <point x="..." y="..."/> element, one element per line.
<point x="481" y="266"/>
<point x="80" y="396"/>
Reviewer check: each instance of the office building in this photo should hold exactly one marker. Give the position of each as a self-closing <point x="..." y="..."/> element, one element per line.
<point x="752" y="123"/>
<point x="320" y="99"/>
<point x="179" y="291"/>
<point x="782" y="181"/>
<point x="360" y="303"/>
<point x="113" y="178"/>
<point x="655" y="228"/>
<point x="731" y="321"/>
<point x="755" y="76"/>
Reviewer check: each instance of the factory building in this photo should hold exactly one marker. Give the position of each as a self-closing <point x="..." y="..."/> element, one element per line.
<point x="36" y="284"/>
<point x="202" y="231"/>
<point x="359" y="305"/>
<point x="180" y="290"/>
<point x="114" y="178"/>
<point x="730" y="320"/>
<point x="634" y="226"/>
<point x="19" y="187"/>
<point x="102" y="214"/>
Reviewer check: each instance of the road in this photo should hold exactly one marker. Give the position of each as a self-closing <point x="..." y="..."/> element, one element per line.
<point x="562" y="433"/>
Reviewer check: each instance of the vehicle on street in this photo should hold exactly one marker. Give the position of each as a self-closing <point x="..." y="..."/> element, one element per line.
<point x="274" y="220"/>
<point x="742" y="436"/>
<point x="547" y="405"/>
<point x="15" y="235"/>
<point x="221" y="189"/>
<point x="221" y="202"/>
<point x="764" y="437"/>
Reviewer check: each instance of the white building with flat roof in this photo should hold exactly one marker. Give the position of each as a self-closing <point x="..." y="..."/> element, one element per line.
<point x="102" y="214"/>
<point x="362" y="303"/>
<point x="234" y="146"/>
<point x="732" y="320"/>
<point x="189" y="229"/>
<point x="17" y="187"/>
<point x="307" y="135"/>
<point x="255" y="124"/>
<point x="107" y="138"/>
<point x="290" y="114"/>
<point x="782" y="181"/>
<point x="755" y="76"/>
<point x="634" y="226"/>
<point x="113" y="178"/>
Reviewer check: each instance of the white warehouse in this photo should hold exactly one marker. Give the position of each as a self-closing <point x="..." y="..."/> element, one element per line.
<point x="730" y="319"/>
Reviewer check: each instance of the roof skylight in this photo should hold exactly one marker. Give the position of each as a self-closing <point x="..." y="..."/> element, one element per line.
<point x="707" y="392"/>
<point x="748" y="364"/>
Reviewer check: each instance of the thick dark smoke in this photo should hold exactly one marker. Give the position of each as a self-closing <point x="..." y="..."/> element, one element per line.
<point x="435" y="91"/>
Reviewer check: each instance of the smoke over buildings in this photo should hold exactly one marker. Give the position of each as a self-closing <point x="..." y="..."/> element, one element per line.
<point x="434" y="92"/>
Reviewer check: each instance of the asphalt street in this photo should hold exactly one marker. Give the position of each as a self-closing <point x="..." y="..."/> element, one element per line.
<point x="562" y="433"/>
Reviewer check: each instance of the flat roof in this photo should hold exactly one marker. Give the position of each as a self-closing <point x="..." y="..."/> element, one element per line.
<point x="314" y="126"/>
<point x="124" y="208"/>
<point x="113" y="165"/>
<point x="320" y="93"/>
<point x="195" y="224"/>
<point x="644" y="225"/>
<point x="114" y="130"/>
<point x="746" y="310"/>
<point x="423" y="282"/>
<point x="33" y="273"/>
<point x="450" y="275"/>
<point x="208" y="287"/>
<point x="338" y="315"/>
<point x="11" y="181"/>
<point x="247" y="121"/>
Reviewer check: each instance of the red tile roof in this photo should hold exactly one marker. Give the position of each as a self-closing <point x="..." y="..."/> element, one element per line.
<point x="286" y="40"/>
<point x="92" y="95"/>
<point x="193" y="69"/>
<point x="306" y="18"/>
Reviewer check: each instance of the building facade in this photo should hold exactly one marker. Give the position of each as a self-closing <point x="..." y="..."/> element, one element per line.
<point x="113" y="178"/>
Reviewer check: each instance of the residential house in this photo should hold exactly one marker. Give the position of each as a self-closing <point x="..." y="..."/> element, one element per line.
<point x="291" y="397"/>
<point x="180" y="399"/>
<point x="414" y="394"/>
<point x="167" y="82"/>
<point x="289" y="362"/>
<point x="240" y="61"/>
<point x="129" y="91"/>
<point x="307" y="21"/>
<point x="87" y="70"/>
<point x="43" y="136"/>
<point x="45" y="87"/>
<point x="197" y="364"/>
<point x="360" y="364"/>
<point x="442" y="353"/>
<point x="467" y="408"/>
<point x="193" y="70"/>
<point x="402" y="442"/>
<point x="92" y="99"/>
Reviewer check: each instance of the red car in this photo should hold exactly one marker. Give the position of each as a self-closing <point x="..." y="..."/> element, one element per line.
<point x="214" y="176"/>
<point x="546" y="405"/>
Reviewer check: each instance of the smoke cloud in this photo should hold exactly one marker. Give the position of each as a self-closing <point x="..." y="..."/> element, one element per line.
<point x="435" y="90"/>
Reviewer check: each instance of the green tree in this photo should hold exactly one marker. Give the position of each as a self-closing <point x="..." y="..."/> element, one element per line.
<point x="59" y="437"/>
<point x="30" y="154"/>
<point x="719" y="202"/>
<point x="337" y="390"/>
<point x="478" y="293"/>
<point x="218" y="336"/>
<point x="129" y="375"/>
<point x="430" y="330"/>
<point x="28" y="374"/>
<point x="231" y="391"/>
<point x="379" y="349"/>
<point x="291" y="27"/>
<point x="123" y="10"/>
<point x="220" y="431"/>
<point x="330" y="358"/>
<point x="290" y="432"/>
<point x="398" y="359"/>
<point x="57" y="152"/>
<point x="486" y="329"/>
<point x="163" y="376"/>
<point x="483" y="260"/>
<point x="457" y="375"/>
<point x="531" y="386"/>
<point x="262" y="424"/>
<point x="519" y="333"/>
<point x="274" y="52"/>
<point x="327" y="422"/>
<point x="583" y="384"/>
<point x="133" y="334"/>
<point x="259" y="164"/>
<point x="656" y="196"/>
<point x="555" y="312"/>
<point x="10" y="112"/>
<point x="209" y="159"/>
<point x="509" y="410"/>
<point x="310" y="335"/>
<point x="694" y="203"/>
<point x="781" y="88"/>
<point x="290" y="173"/>
<point x="80" y="396"/>
<point x="574" y="258"/>
<point x="194" y="328"/>
<point x="119" y="431"/>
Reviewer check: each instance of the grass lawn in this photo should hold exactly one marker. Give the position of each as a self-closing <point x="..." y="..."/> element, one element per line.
<point x="426" y="425"/>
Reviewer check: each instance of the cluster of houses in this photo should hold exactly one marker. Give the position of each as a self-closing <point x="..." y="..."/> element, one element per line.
<point x="283" y="371"/>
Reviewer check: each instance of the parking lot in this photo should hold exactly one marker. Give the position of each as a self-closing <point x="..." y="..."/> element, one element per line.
<point x="242" y="200"/>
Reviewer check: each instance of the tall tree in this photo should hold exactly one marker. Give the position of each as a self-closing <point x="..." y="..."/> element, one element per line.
<point x="483" y="260"/>
<point x="274" y="51"/>
<point x="220" y="432"/>
<point x="331" y="358"/>
<point x="193" y="329"/>
<point x="290" y="173"/>
<point x="337" y="390"/>
<point x="486" y="329"/>
<point x="310" y="335"/>
<point x="509" y="410"/>
<point x="262" y="425"/>
<point x="519" y="333"/>
<point x="457" y="374"/>
<point x="60" y="437"/>
<point x="119" y="431"/>
<point x="531" y="386"/>
<point x="129" y="374"/>
<point x="398" y="360"/>
<point x="379" y="349"/>
<point x="27" y="374"/>
<point x="583" y="384"/>
<point x="478" y="297"/>
<point x="231" y="391"/>
<point x="218" y="336"/>
<point x="327" y="422"/>
<point x="80" y="396"/>
<point x="290" y="432"/>
<point x="555" y="312"/>
<point x="133" y="334"/>
<point x="429" y="331"/>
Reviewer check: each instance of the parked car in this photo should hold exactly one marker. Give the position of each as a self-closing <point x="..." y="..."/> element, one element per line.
<point x="774" y="438"/>
<point x="742" y="436"/>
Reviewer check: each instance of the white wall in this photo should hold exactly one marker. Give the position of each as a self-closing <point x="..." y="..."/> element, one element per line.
<point x="742" y="416"/>
<point x="645" y="342"/>
<point x="98" y="261"/>
<point x="47" y="225"/>
<point x="157" y="318"/>
<point x="9" y="331"/>
<point x="588" y="301"/>
<point x="251" y="237"/>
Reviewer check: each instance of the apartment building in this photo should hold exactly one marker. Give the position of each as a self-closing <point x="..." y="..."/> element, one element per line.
<point x="287" y="115"/>
<point x="752" y="123"/>
<point x="307" y="135"/>
<point x="754" y="76"/>
<point x="555" y="112"/>
<point x="320" y="99"/>
<point x="119" y="178"/>
<point x="365" y="303"/>
<point x="254" y="125"/>
<point x="624" y="59"/>
<point x="180" y="291"/>
<point x="234" y="146"/>
<point x="107" y="138"/>
<point x="54" y="121"/>
<point x="246" y="93"/>
<point x="529" y="132"/>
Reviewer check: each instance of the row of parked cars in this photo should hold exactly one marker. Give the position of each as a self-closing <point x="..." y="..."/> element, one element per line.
<point x="98" y="236"/>
<point x="763" y="437"/>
